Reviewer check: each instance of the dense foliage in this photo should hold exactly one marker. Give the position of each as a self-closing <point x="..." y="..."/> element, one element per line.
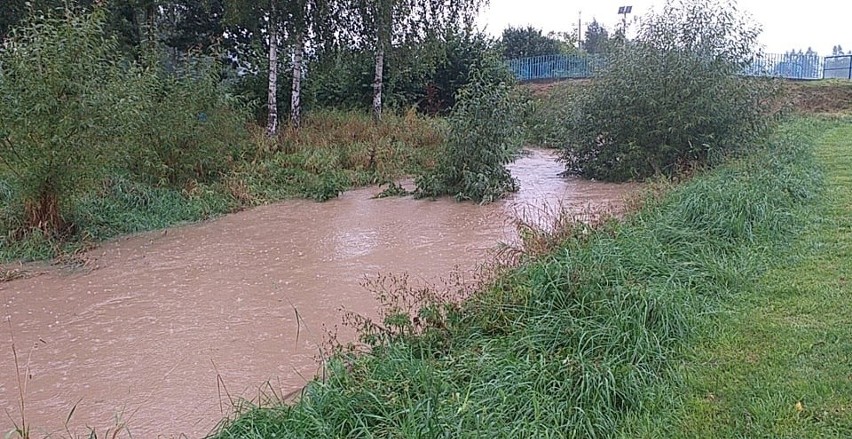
<point x="61" y="88"/>
<point x="485" y="136"/>
<point x="672" y="97"/>
<point x="522" y="42"/>
<point x="76" y="110"/>
<point x="186" y="125"/>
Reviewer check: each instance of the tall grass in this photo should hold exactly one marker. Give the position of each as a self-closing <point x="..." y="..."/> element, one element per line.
<point x="332" y="152"/>
<point x="568" y="345"/>
<point x="335" y="150"/>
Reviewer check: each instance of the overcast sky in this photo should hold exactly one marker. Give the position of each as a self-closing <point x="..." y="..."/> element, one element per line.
<point x="820" y="24"/>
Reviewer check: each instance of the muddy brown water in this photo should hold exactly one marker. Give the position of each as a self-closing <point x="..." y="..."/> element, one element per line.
<point x="149" y="336"/>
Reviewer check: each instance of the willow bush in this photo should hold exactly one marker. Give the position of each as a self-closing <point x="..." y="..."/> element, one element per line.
<point x="672" y="97"/>
<point x="485" y="135"/>
<point x="59" y="81"/>
<point x="186" y="128"/>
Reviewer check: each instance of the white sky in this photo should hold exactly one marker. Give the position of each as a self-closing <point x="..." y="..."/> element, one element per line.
<point x="800" y="24"/>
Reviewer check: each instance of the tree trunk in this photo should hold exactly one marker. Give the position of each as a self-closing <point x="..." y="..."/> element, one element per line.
<point x="272" y="97"/>
<point x="296" y="95"/>
<point x="377" y="85"/>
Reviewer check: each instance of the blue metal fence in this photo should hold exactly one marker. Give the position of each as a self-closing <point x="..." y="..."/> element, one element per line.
<point x="838" y="67"/>
<point x="554" y="67"/>
<point x="789" y="65"/>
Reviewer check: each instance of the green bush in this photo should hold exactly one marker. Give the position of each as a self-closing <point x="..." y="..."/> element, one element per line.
<point x="60" y="84"/>
<point x="184" y="127"/>
<point x="672" y="97"/>
<point x="485" y="136"/>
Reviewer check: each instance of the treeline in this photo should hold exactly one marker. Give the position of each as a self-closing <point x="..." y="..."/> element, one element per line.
<point x="124" y="116"/>
<point x="314" y="53"/>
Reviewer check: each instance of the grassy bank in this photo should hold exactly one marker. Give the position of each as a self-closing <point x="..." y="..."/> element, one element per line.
<point x="577" y="342"/>
<point x="776" y="362"/>
<point x="332" y="152"/>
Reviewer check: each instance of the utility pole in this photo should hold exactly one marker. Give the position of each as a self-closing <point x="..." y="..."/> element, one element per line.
<point x="580" y="30"/>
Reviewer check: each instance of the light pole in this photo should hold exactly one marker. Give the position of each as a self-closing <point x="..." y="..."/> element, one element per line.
<point x="623" y="11"/>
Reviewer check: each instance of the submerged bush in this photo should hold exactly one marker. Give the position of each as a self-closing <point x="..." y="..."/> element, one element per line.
<point x="672" y="97"/>
<point x="485" y="135"/>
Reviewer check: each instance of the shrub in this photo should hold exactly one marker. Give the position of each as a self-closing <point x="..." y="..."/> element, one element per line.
<point x="671" y="97"/>
<point x="59" y="84"/>
<point x="485" y="136"/>
<point x="184" y="126"/>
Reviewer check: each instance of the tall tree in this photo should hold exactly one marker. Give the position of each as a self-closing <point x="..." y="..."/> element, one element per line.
<point x="381" y="24"/>
<point x="299" y="22"/>
<point x="316" y="21"/>
<point x="520" y="42"/>
<point x="597" y="38"/>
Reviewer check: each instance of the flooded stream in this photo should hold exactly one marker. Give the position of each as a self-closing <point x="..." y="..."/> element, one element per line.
<point x="163" y="319"/>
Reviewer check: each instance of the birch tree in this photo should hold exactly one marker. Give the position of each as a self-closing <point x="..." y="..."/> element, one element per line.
<point x="302" y="23"/>
<point x="382" y="24"/>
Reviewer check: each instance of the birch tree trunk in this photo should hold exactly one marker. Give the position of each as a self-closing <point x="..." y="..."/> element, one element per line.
<point x="296" y="95"/>
<point x="377" y="85"/>
<point x="272" y="97"/>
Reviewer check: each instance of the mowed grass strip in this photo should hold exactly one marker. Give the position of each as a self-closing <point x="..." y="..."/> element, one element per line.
<point x="778" y="361"/>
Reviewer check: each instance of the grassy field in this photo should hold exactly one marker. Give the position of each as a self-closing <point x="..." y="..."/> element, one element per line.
<point x="590" y="341"/>
<point x="777" y="362"/>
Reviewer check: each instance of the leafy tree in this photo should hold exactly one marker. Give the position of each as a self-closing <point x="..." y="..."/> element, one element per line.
<point x="518" y="42"/>
<point x="427" y="76"/>
<point x="379" y="25"/>
<point x="597" y="38"/>
<point x="61" y="88"/>
<point x="671" y="97"/>
<point x="191" y="25"/>
<point x="180" y="24"/>
<point x="462" y="50"/>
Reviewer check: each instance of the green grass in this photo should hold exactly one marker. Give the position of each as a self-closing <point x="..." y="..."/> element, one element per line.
<point x="777" y="363"/>
<point x="585" y="342"/>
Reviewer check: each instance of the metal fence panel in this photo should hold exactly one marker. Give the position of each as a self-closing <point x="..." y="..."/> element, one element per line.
<point x="786" y="65"/>
<point x="838" y="67"/>
<point x="553" y="67"/>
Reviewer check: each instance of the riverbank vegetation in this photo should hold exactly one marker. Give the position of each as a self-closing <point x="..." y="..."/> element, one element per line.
<point x="106" y="131"/>
<point x="629" y="322"/>
<point x="772" y="361"/>
<point x="576" y="342"/>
